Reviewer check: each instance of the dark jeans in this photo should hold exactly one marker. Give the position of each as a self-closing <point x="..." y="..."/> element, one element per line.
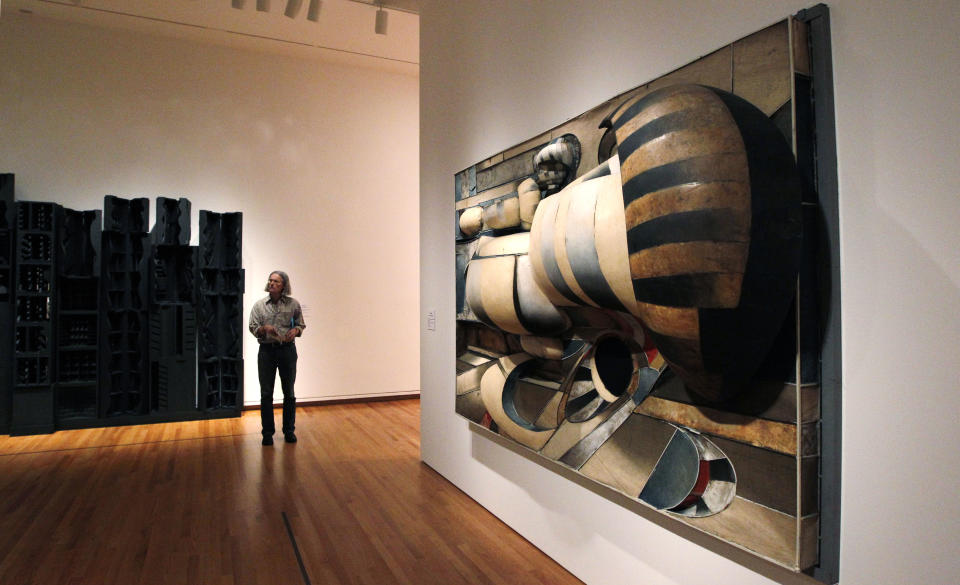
<point x="274" y="357"/>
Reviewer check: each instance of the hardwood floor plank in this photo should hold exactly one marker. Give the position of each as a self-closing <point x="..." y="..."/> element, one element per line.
<point x="202" y="502"/>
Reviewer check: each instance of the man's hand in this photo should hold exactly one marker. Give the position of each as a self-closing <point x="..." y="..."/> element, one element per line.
<point x="269" y="330"/>
<point x="292" y="334"/>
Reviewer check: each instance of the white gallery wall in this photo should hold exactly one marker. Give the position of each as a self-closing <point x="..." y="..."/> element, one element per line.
<point x="321" y="158"/>
<point x="496" y="72"/>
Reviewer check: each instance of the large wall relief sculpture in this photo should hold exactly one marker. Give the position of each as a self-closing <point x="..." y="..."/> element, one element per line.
<point x="636" y="297"/>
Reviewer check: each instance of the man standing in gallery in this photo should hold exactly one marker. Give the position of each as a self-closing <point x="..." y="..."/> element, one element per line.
<point x="277" y="321"/>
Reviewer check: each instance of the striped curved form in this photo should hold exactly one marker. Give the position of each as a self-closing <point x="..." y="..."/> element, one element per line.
<point x="577" y="245"/>
<point x="501" y="291"/>
<point x="711" y="204"/>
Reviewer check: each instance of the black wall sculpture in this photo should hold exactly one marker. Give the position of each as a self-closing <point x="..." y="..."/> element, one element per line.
<point x="100" y="317"/>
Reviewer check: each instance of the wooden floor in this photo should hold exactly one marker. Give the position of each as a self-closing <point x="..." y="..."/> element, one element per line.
<point x="204" y="503"/>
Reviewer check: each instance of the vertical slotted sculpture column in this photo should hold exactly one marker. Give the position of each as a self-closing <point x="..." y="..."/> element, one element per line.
<point x="173" y="321"/>
<point x="123" y="307"/>
<point x="7" y="223"/>
<point x="220" y="298"/>
<point x="78" y="285"/>
<point x="34" y="359"/>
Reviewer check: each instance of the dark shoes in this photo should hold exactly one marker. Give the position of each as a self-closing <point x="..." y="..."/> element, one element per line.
<point x="288" y="437"/>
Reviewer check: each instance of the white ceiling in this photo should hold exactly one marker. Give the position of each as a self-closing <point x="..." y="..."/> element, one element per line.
<point x="344" y="32"/>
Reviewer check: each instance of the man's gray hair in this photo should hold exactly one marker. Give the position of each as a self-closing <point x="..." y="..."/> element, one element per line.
<point x="287" y="289"/>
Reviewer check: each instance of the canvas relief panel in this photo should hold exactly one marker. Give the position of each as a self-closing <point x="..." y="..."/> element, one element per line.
<point x="630" y="300"/>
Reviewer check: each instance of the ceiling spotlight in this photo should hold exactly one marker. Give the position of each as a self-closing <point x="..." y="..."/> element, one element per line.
<point x="381" y="23"/>
<point x="263" y="5"/>
<point x="313" y="10"/>
<point x="237" y="4"/>
<point x="293" y="7"/>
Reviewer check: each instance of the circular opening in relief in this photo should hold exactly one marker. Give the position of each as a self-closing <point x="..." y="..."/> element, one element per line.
<point x="613" y="362"/>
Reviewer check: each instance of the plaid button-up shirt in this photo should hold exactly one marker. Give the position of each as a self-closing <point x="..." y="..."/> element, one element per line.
<point x="284" y="314"/>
